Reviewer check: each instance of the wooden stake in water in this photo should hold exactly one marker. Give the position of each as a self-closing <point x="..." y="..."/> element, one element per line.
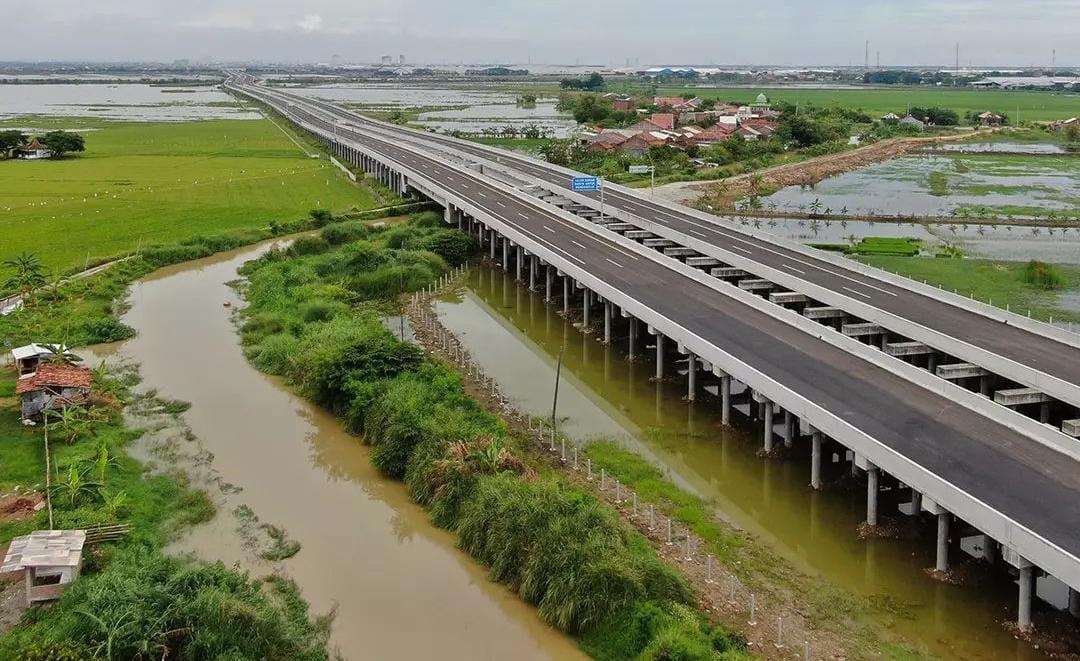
<point x="617" y="497"/>
<point x="603" y="479"/>
<point x="669" y="542"/>
<point x="806" y="650"/>
<point x="753" y="610"/>
<point x="779" y="632"/>
<point x="563" y="442"/>
<point x="575" y="457"/>
<point x="689" y="551"/>
<point x="588" y="468"/>
<point x="708" y="569"/>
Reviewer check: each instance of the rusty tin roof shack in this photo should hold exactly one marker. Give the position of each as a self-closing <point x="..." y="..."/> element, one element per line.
<point x="52" y="385"/>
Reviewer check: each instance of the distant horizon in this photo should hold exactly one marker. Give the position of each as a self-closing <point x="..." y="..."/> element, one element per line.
<point x="608" y="33"/>
<point x="757" y="66"/>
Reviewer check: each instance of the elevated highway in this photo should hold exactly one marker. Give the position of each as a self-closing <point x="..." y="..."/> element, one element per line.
<point x="1005" y="352"/>
<point x="961" y="456"/>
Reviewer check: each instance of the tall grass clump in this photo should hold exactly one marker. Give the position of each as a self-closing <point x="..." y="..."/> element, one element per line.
<point x="560" y="549"/>
<point x="147" y="605"/>
<point x="1043" y="275"/>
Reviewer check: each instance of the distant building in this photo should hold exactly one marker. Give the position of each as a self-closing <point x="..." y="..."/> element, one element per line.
<point x="890" y="118"/>
<point x="760" y="105"/>
<point x="33" y="151"/>
<point x="908" y="120"/>
<point x="677" y="103"/>
<point x="990" y="119"/>
<point x="623" y="103"/>
<point x="27" y="358"/>
<point x="1065" y="123"/>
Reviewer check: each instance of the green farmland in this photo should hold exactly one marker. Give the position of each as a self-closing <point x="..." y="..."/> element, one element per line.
<point x="140" y="183"/>
<point x="876" y="101"/>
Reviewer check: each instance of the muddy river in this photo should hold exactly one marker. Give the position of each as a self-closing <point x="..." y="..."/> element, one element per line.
<point x="400" y="587"/>
<point x="516" y="339"/>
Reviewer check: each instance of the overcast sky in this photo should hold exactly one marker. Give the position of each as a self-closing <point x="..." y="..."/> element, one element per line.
<point x="825" y="32"/>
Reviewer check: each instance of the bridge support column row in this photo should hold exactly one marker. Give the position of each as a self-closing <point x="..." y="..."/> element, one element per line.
<point x="533" y="259"/>
<point x="659" y="356"/>
<point x="566" y="295"/>
<point x="725" y="399"/>
<point x="691" y="377"/>
<point x="607" y="322"/>
<point x="586" y="303"/>
<point x="872" y="479"/>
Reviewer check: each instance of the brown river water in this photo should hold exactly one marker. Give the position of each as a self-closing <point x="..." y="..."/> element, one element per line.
<point x="400" y="587"/>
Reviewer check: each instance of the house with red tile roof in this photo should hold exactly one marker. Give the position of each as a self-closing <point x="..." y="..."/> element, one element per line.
<point x="52" y="386"/>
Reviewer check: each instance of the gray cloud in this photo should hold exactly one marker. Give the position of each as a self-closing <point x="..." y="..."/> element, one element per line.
<point x="826" y="32"/>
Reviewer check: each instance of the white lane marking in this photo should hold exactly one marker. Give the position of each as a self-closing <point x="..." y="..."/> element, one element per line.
<point x="814" y="266"/>
<point x="579" y="245"/>
<point x="694" y="231"/>
<point x="741" y="250"/>
<point x="482" y="194"/>
<point x="856" y="292"/>
<point x="613" y="262"/>
<point x="466" y="186"/>
<point x="523" y="215"/>
<point x="792" y="268"/>
<point x="549" y="229"/>
<point x="501" y="204"/>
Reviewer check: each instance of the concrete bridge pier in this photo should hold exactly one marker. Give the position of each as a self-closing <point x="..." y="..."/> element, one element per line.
<point x="1074" y="602"/>
<point x="873" y="475"/>
<point x="1026" y="580"/>
<point x="725" y="399"/>
<point x="586" y="303"/>
<point x="691" y="377"/>
<point x="566" y="296"/>
<point x="533" y="266"/>
<point x="633" y="339"/>
<point x="790" y="423"/>
<point x="944" y="519"/>
<point x="767" y="415"/>
<point x="548" y="277"/>
<point x="505" y="254"/>
<point x="607" y="322"/>
<point x="519" y="260"/>
<point x="815" y="458"/>
<point x="492" y="242"/>
<point x="659" y="356"/>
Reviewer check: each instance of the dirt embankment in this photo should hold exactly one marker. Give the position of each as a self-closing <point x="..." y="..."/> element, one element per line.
<point x="722" y="193"/>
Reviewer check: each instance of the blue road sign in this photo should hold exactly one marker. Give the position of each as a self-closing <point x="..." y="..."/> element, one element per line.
<point x="585" y="183"/>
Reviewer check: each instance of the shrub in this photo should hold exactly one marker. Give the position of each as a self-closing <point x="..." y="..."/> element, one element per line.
<point x="309" y="245"/>
<point x="144" y="605"/>
<point x="321" y="217"/>
<point x="1043" y="275"/>
<point x="341" y="233"/>
<point x="344" y="349"/>
<point x="274" y="353"/>
<point x="560" y="549"/>
<point x="319" y="310"/>
<point x="453" y="246"/>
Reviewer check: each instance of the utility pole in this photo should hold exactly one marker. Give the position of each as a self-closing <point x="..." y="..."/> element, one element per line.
<point x="555" y="397"/>
<point x="866" y="56"/>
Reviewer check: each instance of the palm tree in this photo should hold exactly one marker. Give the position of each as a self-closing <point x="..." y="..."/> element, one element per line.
<point x="29" y="274"/>
<point x="815" y="207"/>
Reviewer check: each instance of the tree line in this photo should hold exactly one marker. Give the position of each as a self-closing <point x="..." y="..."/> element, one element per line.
<point x="60" y="143"/>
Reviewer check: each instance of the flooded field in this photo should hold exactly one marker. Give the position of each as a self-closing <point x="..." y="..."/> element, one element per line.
<point x="516" y="339"/>
<point x="399" y="586"/>
<point x="134" y="102"/>
<point x="469" y="111"/>
<point x="1009" y="242"/>
<point x="975" y="183"/>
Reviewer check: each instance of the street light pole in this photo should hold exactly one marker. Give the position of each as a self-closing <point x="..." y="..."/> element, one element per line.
<point x="601" y="199"/>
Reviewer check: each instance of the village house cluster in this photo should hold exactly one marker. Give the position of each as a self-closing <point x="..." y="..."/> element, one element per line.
<point x="681" y="123"/>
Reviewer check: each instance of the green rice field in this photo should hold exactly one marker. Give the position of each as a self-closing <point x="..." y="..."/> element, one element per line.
<point x="140" y="183"/>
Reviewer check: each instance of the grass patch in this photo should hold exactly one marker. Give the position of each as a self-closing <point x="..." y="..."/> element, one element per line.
<point x="1043" y="275"/>
<point x="1001" y="283"/>
<point x="145" y="183"/>
<point x="938" y="183"/>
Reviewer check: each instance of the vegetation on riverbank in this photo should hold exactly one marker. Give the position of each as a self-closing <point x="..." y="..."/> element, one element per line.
<point x="1001" y="283"/>
<point x="132" y="601"/>
<point x="141" y="183"/>
<point x="313" y="317"/>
